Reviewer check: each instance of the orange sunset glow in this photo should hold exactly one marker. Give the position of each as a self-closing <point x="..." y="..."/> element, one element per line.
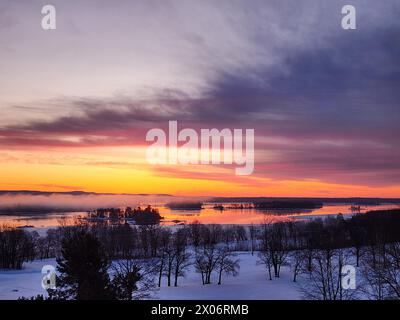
<point x="125" y="170"/>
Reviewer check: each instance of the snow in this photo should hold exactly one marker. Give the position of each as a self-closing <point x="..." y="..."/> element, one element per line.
<point x="251" y="283"/>
<point x="25" y="282"/>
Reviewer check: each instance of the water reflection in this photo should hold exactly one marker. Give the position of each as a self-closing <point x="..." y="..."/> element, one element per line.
<point x="249" y="215"/>
<point x="208" y="214"/>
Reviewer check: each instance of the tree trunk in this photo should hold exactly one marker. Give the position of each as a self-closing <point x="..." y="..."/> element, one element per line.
<point x="358" y="257"/>
<point x="169" y="276"/>
<point x="160" y="273"/>
<point x="276" y="270"/>
<point x="269" y="273"/>
<point x="176" y="275"/>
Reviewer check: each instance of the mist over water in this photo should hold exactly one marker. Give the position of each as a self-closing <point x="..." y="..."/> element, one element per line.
<point x="46" y="211"/>
<point x="66" y="202"/>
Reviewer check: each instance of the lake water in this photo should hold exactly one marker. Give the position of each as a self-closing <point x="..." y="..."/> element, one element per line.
<point x="207" y="215"/>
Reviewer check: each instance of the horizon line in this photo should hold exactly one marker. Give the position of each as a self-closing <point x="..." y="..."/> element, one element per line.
<point x="83" y="193"/>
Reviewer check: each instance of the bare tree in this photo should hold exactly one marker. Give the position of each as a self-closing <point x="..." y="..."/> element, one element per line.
<point x="201" y="265"/>
<point x="358" y="238"/>
<point x="182" y="257"/>
<point x="16" y="247"/>
<point x="264" y="258"/>
<point x="206" y="259"/>
<point x="297" y="263"/>
<point x="381" y="270"/>
<point x="253" y="238"/>
<point x="226" y="263"/>
<point x="195" y="231"/>
<point x="274" y="247"/>
<point x="325" y="281"/>
<point x="165" y="239"/>
<point x="169" y="252"/>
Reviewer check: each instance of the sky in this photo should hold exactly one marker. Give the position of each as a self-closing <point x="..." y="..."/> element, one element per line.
<point x="76" y="102"/>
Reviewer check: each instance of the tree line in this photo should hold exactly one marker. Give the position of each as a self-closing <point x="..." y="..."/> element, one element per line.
<point x="147" y="255"/>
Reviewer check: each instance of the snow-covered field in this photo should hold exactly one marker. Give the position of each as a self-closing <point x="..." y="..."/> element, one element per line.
<point x="251" y="283"/>
<point x="25" y="282"/>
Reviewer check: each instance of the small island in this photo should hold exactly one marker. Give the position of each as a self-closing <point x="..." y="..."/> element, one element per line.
<point x="139" y="216"/>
